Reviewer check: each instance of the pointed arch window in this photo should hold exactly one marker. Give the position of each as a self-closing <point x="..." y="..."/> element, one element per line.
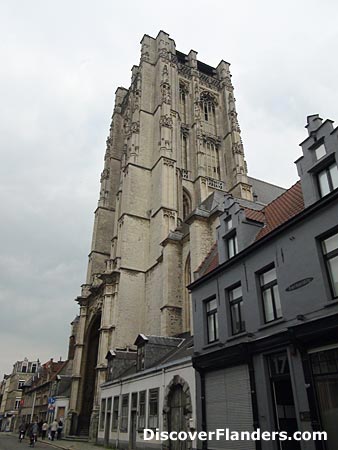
<point x="212" y="160"/>
<point x="208" y="104"/>
<point x="184" y="147"/>
<point x="183" y="101"/>
<point x="186" y="205"/>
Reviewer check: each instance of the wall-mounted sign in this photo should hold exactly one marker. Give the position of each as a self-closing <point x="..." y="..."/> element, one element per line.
<point x="299" y="284"/>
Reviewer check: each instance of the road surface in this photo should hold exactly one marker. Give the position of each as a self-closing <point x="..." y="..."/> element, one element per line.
<point x="10" y="442"/>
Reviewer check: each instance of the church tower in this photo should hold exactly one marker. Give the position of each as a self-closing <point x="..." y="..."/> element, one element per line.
<point x="174" y="148"/>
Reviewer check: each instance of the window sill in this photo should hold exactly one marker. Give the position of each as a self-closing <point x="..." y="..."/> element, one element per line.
<point x="333" y="302"/>
<point x="271" y="324"/>
<point x="213" y="344"/>
<point x="237" y="336"/>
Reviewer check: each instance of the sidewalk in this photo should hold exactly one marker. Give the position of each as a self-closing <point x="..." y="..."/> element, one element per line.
<point x="72" y="445"/>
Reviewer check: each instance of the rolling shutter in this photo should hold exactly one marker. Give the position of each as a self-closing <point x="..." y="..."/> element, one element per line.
<point x="228" y="405"/>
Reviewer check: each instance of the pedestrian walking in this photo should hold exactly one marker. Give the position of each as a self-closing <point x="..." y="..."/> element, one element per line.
<point x="44" y="429"/>
<point x="53" y="429"/>
<point x="34" y="433"/>
<point x="59" y="429"/>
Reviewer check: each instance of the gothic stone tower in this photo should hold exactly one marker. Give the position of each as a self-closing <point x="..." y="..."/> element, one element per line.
<point x="174" y="143"/>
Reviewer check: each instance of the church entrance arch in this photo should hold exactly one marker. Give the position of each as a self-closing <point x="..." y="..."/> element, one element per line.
<point x="89" y="374"/>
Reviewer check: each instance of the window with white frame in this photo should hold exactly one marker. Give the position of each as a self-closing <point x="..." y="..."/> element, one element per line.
<point x="17" y="403"/>
<point x="328" y="179"/>
<point x="142" y="410"/>
<point x="153" y="408"/>
<point x="21" y="383"/>
<point x="320" y="151"/>
<point x="236" y="309"/>
<point x="212" y="320"/>
<point x="124" y="413"/>
<point x="102" y="413"/>
<point x="270" y="295"/>
<point x="140" y="357"/>
<point x="232" y="245"/>
<point x="115" y="418"/>
<point x="330" y="252"/>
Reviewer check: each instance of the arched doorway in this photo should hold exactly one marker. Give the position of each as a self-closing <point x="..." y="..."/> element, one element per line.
<point x="89" y="375"/>
<point x="177" y="409"/>
<point x="176" y="416"/>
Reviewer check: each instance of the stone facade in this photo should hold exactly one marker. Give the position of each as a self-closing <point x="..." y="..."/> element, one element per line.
<point x="11" y="398"/>
<point x="174" y="146"/>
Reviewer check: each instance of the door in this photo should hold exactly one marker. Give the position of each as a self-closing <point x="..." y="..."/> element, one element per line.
<point x="177" y="421"/>
<point x="325" y="374"/>
<point x="283" y="399"/>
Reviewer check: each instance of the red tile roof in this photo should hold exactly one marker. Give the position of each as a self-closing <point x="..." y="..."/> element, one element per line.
<point x="279" y="211"/>
<point x="282" y="209"/>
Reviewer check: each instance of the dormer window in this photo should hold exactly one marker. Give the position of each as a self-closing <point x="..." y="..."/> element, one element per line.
<point x="232" y="246"/>
<point x="228" y="223"/>
<point x="320" y="151"/>
<point x="140" y="357"/>
<point x="328" y="179"/>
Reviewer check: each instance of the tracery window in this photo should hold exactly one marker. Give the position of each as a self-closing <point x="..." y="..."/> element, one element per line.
<point x="183" y="102"/>
<point x="208" y="105"/>
<point x="212" y="160"/>
<point x="184" y="144"/>
<point x="186" y="205"/>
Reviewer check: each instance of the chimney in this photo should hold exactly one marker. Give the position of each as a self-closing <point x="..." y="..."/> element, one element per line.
<point x="313" y="123"/>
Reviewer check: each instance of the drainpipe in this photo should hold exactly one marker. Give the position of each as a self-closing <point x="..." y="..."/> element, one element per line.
<point x="204" y="422"/>
<point x="33" y="406"/>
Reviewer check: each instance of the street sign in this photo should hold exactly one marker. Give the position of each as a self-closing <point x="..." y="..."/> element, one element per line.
<point x="51" y="400"/>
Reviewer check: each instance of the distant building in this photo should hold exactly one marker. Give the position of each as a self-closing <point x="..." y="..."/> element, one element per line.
<point x="46" y="393"/>
<point x="152" y="387"/>
<point x="266" y="309"/>
<point x="11" y="389"/>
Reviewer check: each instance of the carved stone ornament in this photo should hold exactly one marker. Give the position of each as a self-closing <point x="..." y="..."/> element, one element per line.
<point x="105" y="174"/>
<point x="184" y="71"/>
<point x="227" y="83"/>
<point x="185" y="130"/>
<point x="234" y="121"/>
<point x="209" y="138"/>
<point x="166" y="121"/>
<point x="137" y="97"/>
<point x="208" y="97"/>
<point x="164" y="54"/>
<point x="168" y="162"/>
<point x="144" y="52"/>
<point x="237" y="148"/>
<point x="169" y="213"/>
<point x="166" y="94"/>
<point x="209" y="82"/>
<point x="96" y="307"/>
<point x="135" y="127"/>
<point x="184" y="87"/>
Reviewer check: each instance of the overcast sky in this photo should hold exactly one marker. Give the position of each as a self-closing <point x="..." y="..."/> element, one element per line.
<point x="60" y="64"/>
